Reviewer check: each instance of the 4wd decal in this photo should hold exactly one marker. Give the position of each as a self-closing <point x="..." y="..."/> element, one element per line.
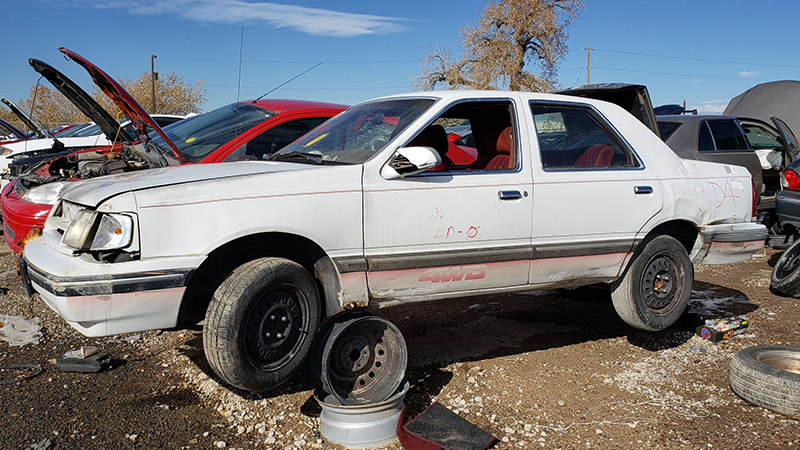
<point x="448" y="274"/>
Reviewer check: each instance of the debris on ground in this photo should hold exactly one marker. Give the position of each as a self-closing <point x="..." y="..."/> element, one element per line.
<point x="19" y="331"/>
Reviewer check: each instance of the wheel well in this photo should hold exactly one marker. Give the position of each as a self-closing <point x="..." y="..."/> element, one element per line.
<point x="684" y="231"/>
<point x="223" y="260"/>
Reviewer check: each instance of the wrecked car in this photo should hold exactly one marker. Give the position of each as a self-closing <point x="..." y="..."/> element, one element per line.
<point x="564" y="192"/>
<point x="247" y="130"/>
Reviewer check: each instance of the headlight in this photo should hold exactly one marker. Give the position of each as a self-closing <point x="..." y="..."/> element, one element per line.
<point x="90" y="230"/>
<point x="45" y="194"/>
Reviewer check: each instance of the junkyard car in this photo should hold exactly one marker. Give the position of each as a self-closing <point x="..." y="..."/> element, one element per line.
<point x="246" y="130"/>
<point x="564" y="191"/>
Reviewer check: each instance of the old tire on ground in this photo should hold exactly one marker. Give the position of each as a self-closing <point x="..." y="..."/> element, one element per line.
<point x="785" y="277"/>
<point x="768" y="376"/>
<point x="655" y="288"/>
<point x="260" y="323"/>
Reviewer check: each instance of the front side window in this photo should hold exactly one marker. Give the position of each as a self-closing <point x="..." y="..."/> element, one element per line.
<point x="761" y="138"/>
<point x="475" y="135"/>
<point x="201" y="135"/>
<point x="576" y="137"/>
<point x="274" y="139"/>
<point x="357" y="134"/>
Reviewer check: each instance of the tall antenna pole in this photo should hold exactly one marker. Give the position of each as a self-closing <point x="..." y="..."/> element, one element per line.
<point x="239" y="83"/>
<point x="588" y="65"/>
<point x="153" y="78"/>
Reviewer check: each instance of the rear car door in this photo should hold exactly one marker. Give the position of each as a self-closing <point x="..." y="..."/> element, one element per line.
<point x="723" y="141"/>
<point x="592" y="195"/>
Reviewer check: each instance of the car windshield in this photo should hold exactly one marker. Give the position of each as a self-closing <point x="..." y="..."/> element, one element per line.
<point x="203" y="134"/>
<point x="355" y="135"/>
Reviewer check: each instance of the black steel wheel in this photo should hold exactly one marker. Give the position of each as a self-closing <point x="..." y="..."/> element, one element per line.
<point x="260" y="323"/>
<point x="655" y="288"/>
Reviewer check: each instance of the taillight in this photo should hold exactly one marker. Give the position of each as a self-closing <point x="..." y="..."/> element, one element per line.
<point x="755" y="199"/>
<point x="790" y="180"/>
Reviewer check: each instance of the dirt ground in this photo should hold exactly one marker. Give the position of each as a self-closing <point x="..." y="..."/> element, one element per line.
<point x="552" y="369"/>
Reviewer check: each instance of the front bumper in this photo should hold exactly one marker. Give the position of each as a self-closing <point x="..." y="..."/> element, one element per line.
<point x="729" y="243"/>
<point x="100" y="299"/>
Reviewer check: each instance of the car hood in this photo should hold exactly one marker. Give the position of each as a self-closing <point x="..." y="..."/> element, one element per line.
<point x="26" y="119"/>
<point x="633" y="98"/>
<point x="83" y="101"/>
<point x="124" y="101"/>
<point x="18" y="134"/>
<point x="93" y="191"/>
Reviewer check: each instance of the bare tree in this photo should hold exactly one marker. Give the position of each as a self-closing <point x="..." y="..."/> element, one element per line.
<point x="173" y="94"/>
<point x="511" y="38"/>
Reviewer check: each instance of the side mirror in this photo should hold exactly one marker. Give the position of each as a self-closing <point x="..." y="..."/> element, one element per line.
<point x="409" y="161"/>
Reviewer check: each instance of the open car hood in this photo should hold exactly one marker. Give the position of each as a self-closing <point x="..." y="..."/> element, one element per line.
<point x="633" y="98"/>
<point x="124" y="101"/>
<point x="762" y="101"/>
<point x="83" y="101"/>
<point x="26" y="119"/>
<point x="19" y="134"/>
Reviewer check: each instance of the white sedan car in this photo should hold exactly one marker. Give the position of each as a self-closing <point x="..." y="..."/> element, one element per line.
<point x="368" y="210"/>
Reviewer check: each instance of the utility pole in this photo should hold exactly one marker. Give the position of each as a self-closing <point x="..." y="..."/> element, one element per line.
<point x="588" y="64"/>
<point x="153" y="78"/>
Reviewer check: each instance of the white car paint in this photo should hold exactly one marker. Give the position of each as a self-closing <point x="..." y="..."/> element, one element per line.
<point x="368" y="226"/>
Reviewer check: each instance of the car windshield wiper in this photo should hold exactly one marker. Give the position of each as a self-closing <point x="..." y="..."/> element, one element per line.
<point x="313" y="158"/>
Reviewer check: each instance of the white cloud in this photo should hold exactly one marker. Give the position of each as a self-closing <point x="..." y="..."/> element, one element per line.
<point x="748" y="74"/>
<point x="316" y="21"/>
<point x="709" y="106"/>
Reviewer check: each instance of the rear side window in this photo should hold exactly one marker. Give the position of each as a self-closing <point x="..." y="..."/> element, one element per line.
<point x="727" y="135"/>
<point x="576" y="137"/>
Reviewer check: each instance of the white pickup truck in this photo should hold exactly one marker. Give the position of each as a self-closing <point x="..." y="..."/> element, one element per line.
<point x="380" y="206"/>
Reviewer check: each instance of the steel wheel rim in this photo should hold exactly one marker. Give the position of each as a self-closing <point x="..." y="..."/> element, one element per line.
<point x="358" y="360"/>
<point x="660" y="281"/>
<point x="275" y="327"/>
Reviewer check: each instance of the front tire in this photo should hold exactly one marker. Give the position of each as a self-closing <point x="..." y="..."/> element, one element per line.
<point x="260" y="323"/>
<point x="655" y="289"/>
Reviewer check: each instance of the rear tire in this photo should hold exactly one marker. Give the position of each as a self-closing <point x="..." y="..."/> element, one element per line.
<point x="260" y="323"/>
<point x="655" y="289"/>
<point x="785" y="278"/>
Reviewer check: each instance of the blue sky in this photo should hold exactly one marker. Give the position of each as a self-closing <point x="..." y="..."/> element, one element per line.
<point x="703" y="52"/>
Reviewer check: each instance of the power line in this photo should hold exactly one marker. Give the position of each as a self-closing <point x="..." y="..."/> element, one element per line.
<point x="681" y="74"/>
<point x="316" y="88"/>
<point x="390" y="61"/>
<point x="686" y="58"/>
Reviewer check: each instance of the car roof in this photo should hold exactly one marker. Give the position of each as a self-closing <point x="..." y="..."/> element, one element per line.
<point x="284" y="105"/>
<point x="691" y="117"/>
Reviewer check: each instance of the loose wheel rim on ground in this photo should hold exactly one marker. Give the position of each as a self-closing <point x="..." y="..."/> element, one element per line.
<point x="361" y="359"/>
<point x="275" y="327"/>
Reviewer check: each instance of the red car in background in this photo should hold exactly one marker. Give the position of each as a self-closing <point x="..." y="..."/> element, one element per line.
<point x="248" y="130"/>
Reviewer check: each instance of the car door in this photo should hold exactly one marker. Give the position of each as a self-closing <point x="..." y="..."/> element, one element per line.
<point x="459" y="228"/>
<point x="592" y="194"/>
<point x="723" y="141"/>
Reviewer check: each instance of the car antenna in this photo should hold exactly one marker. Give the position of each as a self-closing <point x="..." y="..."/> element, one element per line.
<point x="288" y="81"/>
<point x="238" y="91"/>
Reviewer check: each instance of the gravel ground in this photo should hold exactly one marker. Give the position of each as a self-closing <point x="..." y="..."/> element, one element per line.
<point x="551" y="369"/>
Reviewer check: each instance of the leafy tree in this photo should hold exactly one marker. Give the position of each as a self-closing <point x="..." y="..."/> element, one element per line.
<point x="49" y="107"/>
<point x="173" y="94"/>
<point x="511" y="37"/>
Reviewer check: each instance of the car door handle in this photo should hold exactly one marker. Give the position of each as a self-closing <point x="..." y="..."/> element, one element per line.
<point x="509" y="195"/>
<point x="642" y="189"/>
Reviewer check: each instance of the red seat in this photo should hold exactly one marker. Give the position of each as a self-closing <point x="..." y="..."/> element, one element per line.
<point x="598" y="155"/>
<point x="503" y="158"/>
